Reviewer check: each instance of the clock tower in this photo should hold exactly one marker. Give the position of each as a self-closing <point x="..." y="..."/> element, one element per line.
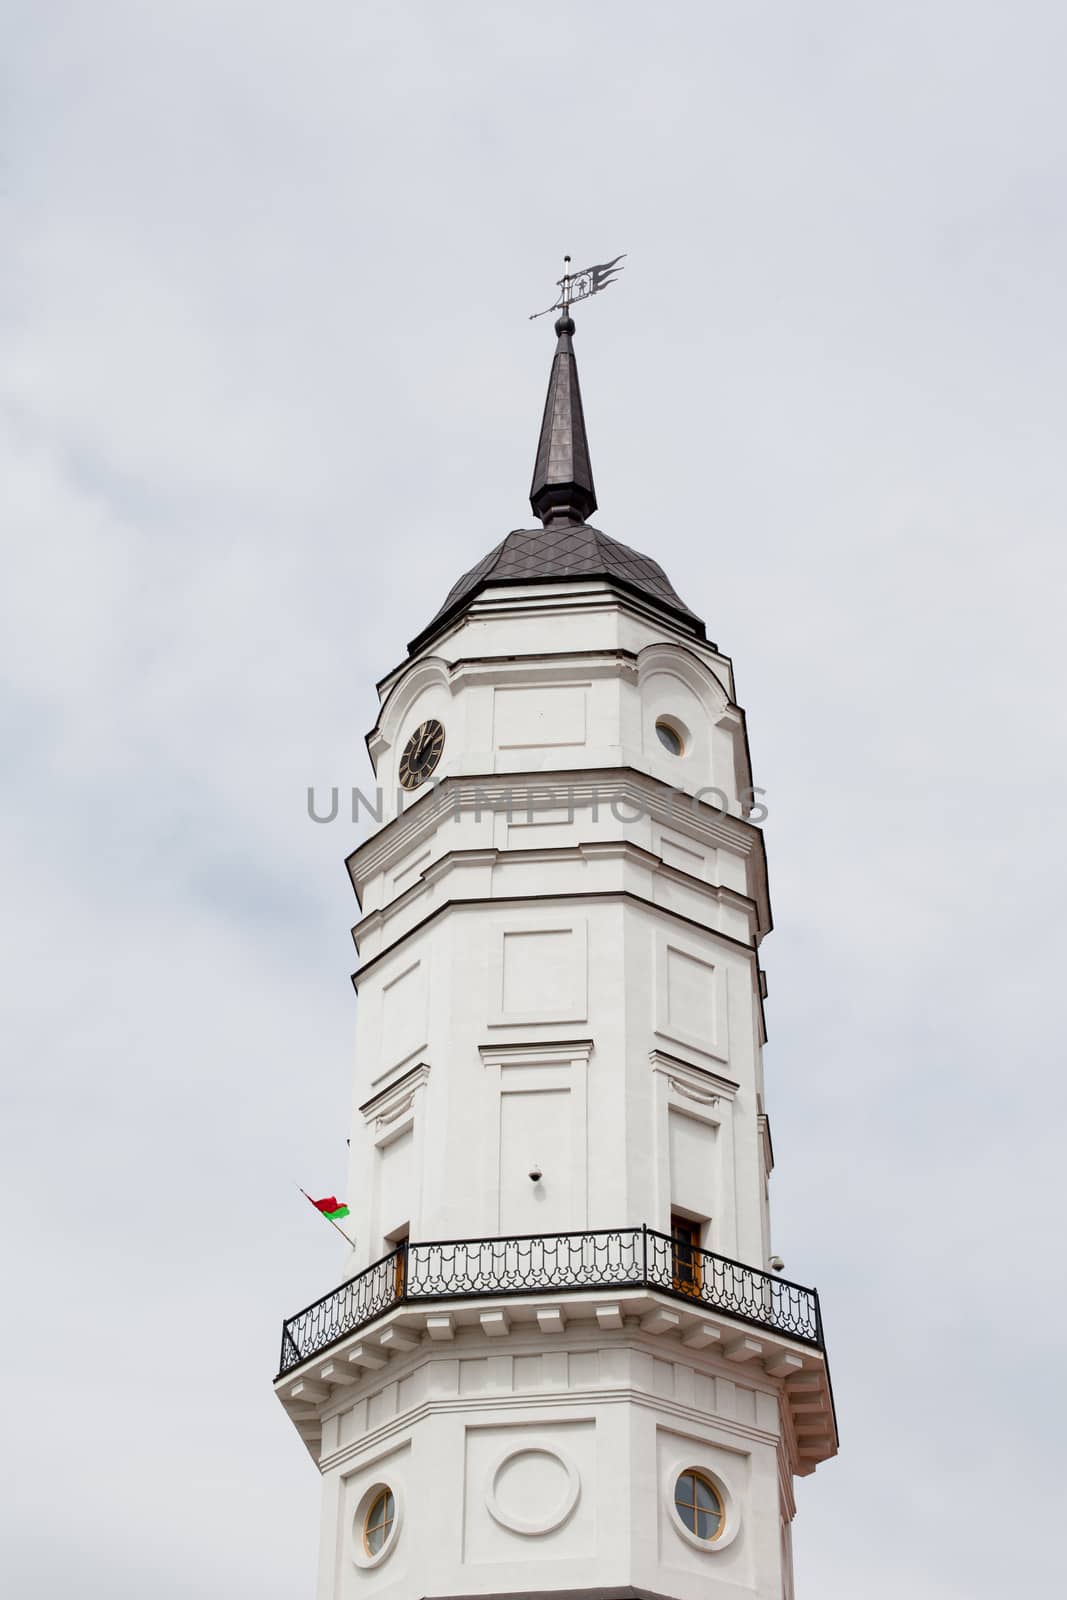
<point x="561" y="1358"/>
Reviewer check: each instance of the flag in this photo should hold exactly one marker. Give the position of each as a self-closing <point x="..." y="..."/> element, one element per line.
<point x="331" y="1207"/>
<point x="580" y="285"/>
<point x="603" y="275"/>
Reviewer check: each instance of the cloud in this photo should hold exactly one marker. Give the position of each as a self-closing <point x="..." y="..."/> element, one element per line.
<point x="270" y="388"/>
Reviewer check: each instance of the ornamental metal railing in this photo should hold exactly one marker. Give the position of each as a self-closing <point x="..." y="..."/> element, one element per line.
<point x="552" y="1263"/>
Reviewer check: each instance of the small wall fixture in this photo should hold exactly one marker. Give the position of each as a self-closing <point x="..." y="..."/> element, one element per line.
<point x="535" y="1174"/>
<point x="776" y="1264"/>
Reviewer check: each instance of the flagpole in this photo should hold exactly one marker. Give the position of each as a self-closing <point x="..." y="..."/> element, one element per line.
<point x="350" y="1242"/>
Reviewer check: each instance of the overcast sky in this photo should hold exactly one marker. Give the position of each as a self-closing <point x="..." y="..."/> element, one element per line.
<point x="268" y="387"/>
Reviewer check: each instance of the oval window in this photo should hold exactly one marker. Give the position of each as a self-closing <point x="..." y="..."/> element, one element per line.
<point x="699" y="1505"/>
<point x="669" y="737"/>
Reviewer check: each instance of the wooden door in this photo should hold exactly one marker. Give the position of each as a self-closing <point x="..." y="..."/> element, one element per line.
<point x="686" y="1260"/>
<point x="400" y="1265"/>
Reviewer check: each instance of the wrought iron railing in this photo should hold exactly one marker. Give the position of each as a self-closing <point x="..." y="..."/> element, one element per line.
<point x="552" y="1263"/>
<point x="745" y="1292"/>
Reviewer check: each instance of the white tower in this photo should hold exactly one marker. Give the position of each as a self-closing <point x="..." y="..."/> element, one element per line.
<point x="560" y="1360"/>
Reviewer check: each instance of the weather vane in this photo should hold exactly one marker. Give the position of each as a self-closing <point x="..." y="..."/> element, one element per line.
<point x="580" y="285"/>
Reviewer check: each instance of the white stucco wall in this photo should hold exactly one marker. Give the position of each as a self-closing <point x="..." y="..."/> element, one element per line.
<point x="559" y="975"/>
<point x="535" y="1468"/>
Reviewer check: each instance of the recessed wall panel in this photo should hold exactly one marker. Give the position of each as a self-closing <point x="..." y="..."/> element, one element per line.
<point x="396" y="1178"/>
<point x="690" y="994"/>
<point x="692" y="1158"/>
<point x="531" y="719"/>
<point x="403" y="1015"/>
<point x="539" y="974"/>
<point x="530" y="1496"/>
<point x="535" y="1134"/>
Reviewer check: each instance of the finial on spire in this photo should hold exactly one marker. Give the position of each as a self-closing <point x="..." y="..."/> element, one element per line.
<point x="562" y="488"/>
<point x="566" y="286"/>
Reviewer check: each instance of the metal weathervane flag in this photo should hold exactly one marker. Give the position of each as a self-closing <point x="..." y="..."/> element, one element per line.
<point x="580" y="285"/>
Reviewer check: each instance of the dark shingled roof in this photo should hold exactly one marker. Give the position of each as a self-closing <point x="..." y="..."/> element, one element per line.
<point x="562" y="495"/>
<point x="562" y="552"/>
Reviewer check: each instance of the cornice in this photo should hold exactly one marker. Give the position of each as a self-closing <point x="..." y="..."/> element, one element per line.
<point x="396" y="1099"/>
<point x="544" y="1052"/>
<point x="549" y="665"/>
<point x="553" y="599"/>
<point x="693" y="1082"/>
<point x="497" y="791"/>
<point x="566" y="665"/>
<point x="561" y="1402"/>
<point x="374" y="1104"/>
<point x="573" y="896"/>
<point x="586" y="850"/>
<point x="763" y="1123"/>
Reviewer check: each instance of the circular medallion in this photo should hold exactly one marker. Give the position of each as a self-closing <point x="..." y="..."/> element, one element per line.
<point x="421" y="754"/>
<point x="532" y="1490"/>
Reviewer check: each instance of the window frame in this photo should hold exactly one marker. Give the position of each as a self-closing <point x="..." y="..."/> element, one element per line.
<point x="698" y="1477"/>
<point x="387" y="1500"/>
<point x="687" y="1258"/>
<point x="362" y="1554"/>
<point x="696" y="1461"/>
<point x="677" y="731"/>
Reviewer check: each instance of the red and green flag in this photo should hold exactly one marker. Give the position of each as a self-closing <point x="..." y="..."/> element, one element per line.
<point x="330" y="1207"/>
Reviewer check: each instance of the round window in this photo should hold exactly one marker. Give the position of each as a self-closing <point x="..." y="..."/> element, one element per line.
<point x="699" y="1505"/>
<point x="669" y="737"/>
<point x="378" y="1522"/>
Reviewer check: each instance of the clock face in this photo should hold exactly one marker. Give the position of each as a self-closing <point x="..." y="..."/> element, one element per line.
<point x="421" y="754"/>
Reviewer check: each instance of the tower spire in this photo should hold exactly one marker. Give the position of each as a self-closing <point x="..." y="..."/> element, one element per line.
<point x="562" y="488"/>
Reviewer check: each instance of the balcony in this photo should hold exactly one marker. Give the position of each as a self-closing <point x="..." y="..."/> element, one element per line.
<point x="554" y="1263"/>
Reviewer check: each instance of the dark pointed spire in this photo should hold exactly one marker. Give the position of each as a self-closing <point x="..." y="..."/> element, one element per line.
<point x="562" y="488"/>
